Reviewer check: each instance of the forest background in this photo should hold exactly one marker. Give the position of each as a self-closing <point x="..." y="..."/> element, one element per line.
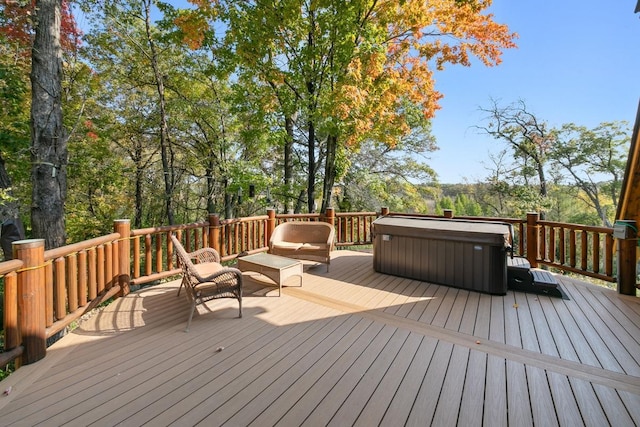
<point x="236" y="107"/>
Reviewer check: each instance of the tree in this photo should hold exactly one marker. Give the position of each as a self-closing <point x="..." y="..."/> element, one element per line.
<point x="353" y="71"/>
<point x="379" y="175"/>
<point x="589" y="163"/>
<point x="48" y="136"/>
<point x="34" y="37"/>
<point x="529" y="138"/>
<point x="594" y="161"/>
<point x="135" y="61"/>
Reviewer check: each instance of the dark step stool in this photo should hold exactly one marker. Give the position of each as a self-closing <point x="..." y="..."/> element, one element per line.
<point x="521" y="277"/>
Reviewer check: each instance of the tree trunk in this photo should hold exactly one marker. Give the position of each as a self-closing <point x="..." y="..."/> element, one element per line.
<point x="311" y="108"/>
<point x="165" y="143"/>
<point x="329" y="172"/>
<point x="137" y="219"/>
<point x="288" y="164"/>
<point x="543" y="185"/>
<point x="311" y="179"/>
<point x="211" y="187"/>
<point x="48" y="138"/>
<point x="299" y="203"/>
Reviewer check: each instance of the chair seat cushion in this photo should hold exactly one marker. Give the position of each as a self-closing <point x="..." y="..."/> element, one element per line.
<point x="314" y="247"/>
<point x="207" y="268"/>
<point x="287" y="245"/>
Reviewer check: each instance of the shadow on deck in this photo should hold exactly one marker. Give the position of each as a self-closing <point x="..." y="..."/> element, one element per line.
<point x="351" y="347"/>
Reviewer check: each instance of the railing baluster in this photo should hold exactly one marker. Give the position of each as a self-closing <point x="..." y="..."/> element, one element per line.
<point x="552" y="244"/>
<point x="49" y="295"/>
<point x="595" y="255"/>
<point x="169" y="253"/>
<point x="100" y="269"/>
<point x="158" y="238"/>
<point x="563" y="249"/>
<point x="148" y="257"/>
<point x="92" y="279"/>
<point x="543" y="243"/>
<point x="72" y="281"/>
<point x="60" y="288"/>
<point x="83" y="291"/>
<point x="572" y="247"/>
<point x="115" y="264"/>
<point x="136" y="257"/>
<point x="108" y="266"/>
<point x="584" y="249"/>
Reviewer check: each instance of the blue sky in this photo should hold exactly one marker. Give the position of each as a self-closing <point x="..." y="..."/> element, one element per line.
<point x="577" y="61"/>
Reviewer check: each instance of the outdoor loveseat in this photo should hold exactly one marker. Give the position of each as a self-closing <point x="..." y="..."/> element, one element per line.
<point x="311" y="241"/>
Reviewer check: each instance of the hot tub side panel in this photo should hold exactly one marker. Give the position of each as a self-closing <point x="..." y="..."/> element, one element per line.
<point x="473" y="266"/>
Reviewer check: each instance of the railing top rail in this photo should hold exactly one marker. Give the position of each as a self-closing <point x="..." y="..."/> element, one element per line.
<point x="581" y="227"/>
<point x="80" y="246"/>
<point x="244" y="219"/>
<point x="166" y="228"/>
<point x="340" y="214"/>
<point x="9" y="266"/>
<point x="287" y="216"/>
<point x="494" y="219"/>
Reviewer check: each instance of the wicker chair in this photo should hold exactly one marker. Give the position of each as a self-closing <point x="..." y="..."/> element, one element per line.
<point x="208" y="279"/>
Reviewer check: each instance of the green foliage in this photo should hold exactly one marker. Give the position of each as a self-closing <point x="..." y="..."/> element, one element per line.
<point x="466" y="206"/>
<point x="14" y="132"/>
<point x="443" y="204"/>
<point x="594" y="161"/>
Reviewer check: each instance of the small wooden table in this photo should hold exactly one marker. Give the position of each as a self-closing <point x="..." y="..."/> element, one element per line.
<point x="276" y="268"/>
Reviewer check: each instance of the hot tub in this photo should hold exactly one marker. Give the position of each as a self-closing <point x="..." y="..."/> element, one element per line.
<point x="462" y="253"/>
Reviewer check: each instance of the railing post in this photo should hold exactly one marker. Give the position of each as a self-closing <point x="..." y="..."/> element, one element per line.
<point x="271" y="224"/>
<point x="214" y="232"/>
<point x="627" y="243"/>
<point x="123" y="227"/>
<point x="532" y="238"/>
<point x="384" y="211"/>
<point x="330" y="216"/>
<point x="31" y="299"/>
<point x="447" y="213"/>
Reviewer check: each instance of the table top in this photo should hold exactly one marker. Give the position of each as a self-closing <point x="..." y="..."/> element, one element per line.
<point x="268" y="260"/>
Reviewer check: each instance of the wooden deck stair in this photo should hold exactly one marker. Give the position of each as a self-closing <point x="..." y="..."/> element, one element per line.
<point x="351" y="347"/>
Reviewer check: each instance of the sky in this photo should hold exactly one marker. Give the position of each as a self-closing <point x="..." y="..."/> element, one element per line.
<point x="577" y="61"/>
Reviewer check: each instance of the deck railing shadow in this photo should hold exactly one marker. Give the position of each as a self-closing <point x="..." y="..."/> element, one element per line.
<point x="46" y="291"/>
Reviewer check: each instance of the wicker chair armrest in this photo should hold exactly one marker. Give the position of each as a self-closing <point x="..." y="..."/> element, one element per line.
<point x="205" y="255"/>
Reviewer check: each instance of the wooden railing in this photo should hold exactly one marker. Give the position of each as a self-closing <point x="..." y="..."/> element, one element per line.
<point x="45" y="291"/>
<point x="575" y="248"/>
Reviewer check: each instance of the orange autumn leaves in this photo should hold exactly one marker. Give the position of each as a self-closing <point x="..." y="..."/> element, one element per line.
<point x="421" y="37"/>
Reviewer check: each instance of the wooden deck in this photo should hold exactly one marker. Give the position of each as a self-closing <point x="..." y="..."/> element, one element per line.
<point x="351" y="347"/>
